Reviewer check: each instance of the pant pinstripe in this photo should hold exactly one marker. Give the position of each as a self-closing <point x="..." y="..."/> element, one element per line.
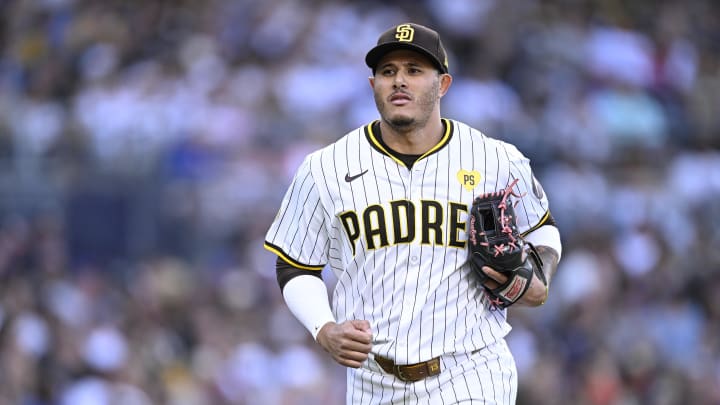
<point x="487" y="376"/>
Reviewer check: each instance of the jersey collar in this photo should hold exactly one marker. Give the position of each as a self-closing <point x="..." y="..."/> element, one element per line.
<point x="374" y="139"/>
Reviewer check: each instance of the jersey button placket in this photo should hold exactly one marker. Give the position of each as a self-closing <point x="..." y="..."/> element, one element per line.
<point x="409" y="298"/>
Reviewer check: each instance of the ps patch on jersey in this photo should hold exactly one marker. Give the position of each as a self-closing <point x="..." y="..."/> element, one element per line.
<point x="469" y="179"/>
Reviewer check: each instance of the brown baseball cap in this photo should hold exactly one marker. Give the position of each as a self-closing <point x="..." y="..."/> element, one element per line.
<point x="411" y="36"/>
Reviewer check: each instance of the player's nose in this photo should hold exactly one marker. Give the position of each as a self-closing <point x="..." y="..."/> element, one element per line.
<point x="399" y="81"/>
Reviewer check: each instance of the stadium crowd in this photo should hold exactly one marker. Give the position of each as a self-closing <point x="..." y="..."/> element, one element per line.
<point x="145" y="146"/>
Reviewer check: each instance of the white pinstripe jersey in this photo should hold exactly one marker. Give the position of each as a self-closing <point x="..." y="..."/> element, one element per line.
<point x="395" y="237"/>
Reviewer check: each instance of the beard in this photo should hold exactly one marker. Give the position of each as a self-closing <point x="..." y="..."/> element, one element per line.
<point x="403" y="122"/>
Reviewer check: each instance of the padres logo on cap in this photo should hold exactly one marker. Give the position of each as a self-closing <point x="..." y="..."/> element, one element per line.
<point x="405" y="33"/>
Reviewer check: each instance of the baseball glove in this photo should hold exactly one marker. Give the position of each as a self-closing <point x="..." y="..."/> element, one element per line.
<point x="494" y="241"/>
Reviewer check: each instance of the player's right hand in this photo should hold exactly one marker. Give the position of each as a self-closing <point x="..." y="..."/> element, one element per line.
<point x="348" y="343"/>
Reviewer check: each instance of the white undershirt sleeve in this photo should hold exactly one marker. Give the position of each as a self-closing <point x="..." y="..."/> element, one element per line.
<point x="307" y="298"/>
<point x="546" y="235"/>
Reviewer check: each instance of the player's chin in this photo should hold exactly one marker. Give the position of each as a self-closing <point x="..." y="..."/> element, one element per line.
<point x="401" y="121"/>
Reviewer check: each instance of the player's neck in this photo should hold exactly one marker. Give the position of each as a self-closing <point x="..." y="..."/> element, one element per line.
<point x="415" y="141"/>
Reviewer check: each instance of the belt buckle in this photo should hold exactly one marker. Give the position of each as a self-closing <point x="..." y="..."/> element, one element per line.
<point x="434" y="366"/>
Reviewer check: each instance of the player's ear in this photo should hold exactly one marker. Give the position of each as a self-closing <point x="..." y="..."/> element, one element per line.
<point x="371" y="79"/>
<point x="445" y="82"/>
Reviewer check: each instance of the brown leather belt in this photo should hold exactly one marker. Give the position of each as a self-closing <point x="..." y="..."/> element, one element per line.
<point x="410" y="372"/>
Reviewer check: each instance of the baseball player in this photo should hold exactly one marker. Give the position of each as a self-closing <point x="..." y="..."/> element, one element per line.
<point x="386" y="209"/>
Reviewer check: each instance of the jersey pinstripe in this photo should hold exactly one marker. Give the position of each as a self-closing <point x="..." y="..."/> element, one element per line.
<point x="395" y="237"/>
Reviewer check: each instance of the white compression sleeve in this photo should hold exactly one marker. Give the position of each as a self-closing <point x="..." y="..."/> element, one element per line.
<point x="546" y="235"/>
<point x="307" y="298"/>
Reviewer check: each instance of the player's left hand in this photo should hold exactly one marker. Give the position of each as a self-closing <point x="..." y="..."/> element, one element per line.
<point x="535" y="295"/>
